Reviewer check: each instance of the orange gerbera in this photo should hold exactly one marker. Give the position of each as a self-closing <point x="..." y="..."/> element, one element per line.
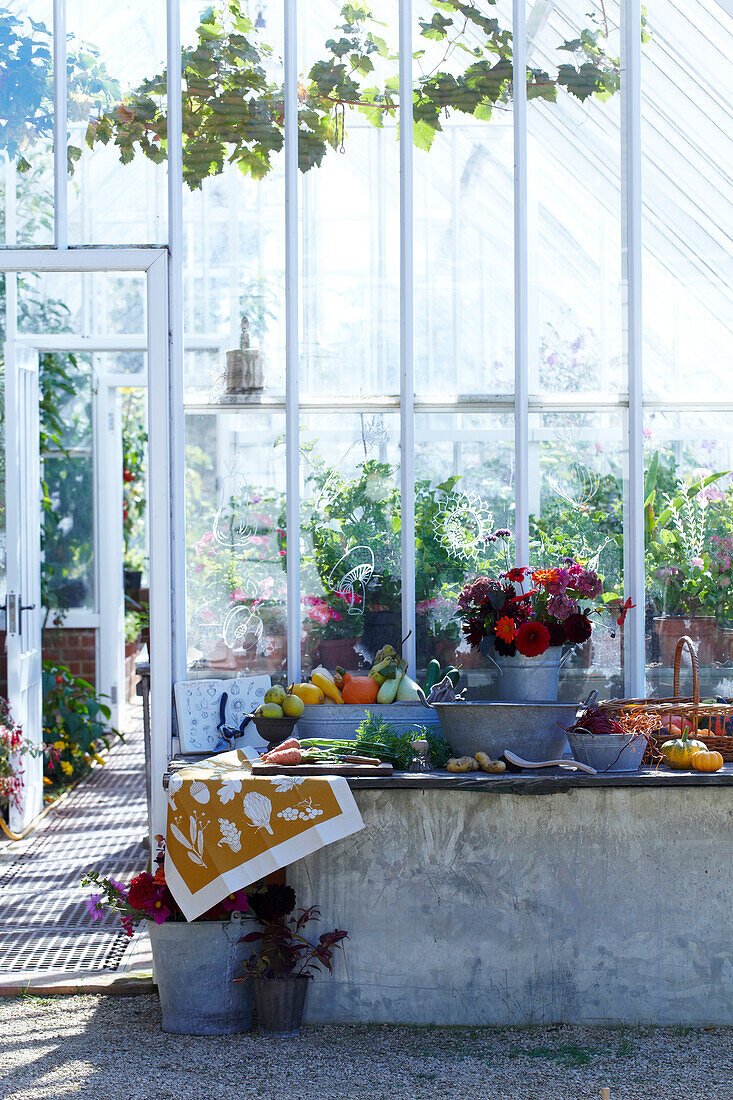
<point x="545" y="576"/>
<point x="505" y="629"/>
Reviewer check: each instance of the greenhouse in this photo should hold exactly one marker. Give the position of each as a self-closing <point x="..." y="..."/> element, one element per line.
<point x="368" y="495"/>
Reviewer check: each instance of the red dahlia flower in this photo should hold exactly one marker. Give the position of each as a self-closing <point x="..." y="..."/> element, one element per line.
<point x="532" y="639"/>
<point x="577" y="628"/>
<point x="516" y="576"/>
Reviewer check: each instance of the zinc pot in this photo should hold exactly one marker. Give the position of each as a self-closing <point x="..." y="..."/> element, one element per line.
<point x="194" y="966"/>
<point x="341" y="722"/>
<point x="531" y="730"/>
<point x="279" y="1003"/>
<point x="608" y="752"/>
<point x="529" y="679"/>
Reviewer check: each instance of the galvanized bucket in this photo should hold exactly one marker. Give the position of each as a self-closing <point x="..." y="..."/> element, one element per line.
<point x="279" y="1003"/>
<point x="533" y="731"/>
<point x="608" y="752"/>
<point x="194" y="966"/>
<point x="529" y="679"/>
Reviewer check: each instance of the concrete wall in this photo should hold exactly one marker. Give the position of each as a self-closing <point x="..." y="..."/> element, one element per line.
<point x="608" y="905"/>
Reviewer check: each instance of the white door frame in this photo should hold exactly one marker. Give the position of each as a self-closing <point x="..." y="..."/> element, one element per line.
<point x="23" y="588"/>
<point x="165" y="486"/>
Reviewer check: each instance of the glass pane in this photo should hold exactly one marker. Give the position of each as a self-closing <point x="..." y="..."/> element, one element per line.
<point x="576" y="500"/>
<point x="464" y="489"/>
<point x="574" y="203"/>
<point x="349" y="199"/>
<point x="67" y="572"/>
<point x="234" y="199"/>
<point x="100" y="303"/>
<point x="26" y="134"/>
<point x="350" y="538"/>
<point x="687" y="147"/>
<point x="235" y="543"/>
<point x="689" y="545"/>
<point x="117" y="121"/>
<point x="464" y="168"/>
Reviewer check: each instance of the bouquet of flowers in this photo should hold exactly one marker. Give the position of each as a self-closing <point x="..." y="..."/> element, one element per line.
<point x="147" y="897"/>
<point x="526" y="611"/>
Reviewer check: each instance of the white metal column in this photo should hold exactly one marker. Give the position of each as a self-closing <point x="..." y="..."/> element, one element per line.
<point x="634" y="578"/>
<point x="292" y="357"/>
<point x="60" y="127"/>
<point x="521" y="288"/>
<point x="407" y="363"/>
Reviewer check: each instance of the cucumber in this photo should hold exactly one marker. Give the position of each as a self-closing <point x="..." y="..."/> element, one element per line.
<point x="432" y="675"/>
<point x="453" y="675"/>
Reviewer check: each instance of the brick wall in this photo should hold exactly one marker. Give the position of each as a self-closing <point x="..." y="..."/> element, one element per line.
<point x="75" y="648"/>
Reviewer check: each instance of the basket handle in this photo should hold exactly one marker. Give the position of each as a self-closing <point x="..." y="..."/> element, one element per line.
<point x="683" y="642"/>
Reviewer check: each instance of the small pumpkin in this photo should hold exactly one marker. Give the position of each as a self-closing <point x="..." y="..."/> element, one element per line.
<point x="359" y="689"/>
<point x="678" y="753"/>
<point x="707" y="760"/>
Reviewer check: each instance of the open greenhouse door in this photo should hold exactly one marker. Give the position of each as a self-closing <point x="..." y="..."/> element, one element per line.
<point x="23" y="569"/>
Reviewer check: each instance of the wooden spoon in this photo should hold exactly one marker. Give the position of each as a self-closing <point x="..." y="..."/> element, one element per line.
<point x="521" y="763"/>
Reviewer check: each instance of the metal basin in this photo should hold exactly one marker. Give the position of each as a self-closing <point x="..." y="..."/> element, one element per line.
<point x="341" y="722"/>
<point x="531" y="730"/>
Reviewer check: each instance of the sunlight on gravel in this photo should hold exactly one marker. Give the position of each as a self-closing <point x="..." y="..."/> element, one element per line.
<point x="110" y="1048"/>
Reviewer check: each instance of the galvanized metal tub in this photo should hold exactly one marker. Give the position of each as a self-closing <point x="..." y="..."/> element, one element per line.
<point x="531" y="730"/>
<point x="608" y="752"/>
<point x="194" y="965"/>
<point x="342" y="721"/>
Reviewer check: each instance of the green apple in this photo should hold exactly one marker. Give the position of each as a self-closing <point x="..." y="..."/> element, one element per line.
<point x="275" y="694"/>
<point x="270" y="710"/>
<point x="292" y="706"/>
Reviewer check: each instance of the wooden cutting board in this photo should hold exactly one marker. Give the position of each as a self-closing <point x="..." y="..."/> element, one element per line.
<point x="322" y="769"/>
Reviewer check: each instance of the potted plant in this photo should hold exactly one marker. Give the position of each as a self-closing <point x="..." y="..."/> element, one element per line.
<point x="286" y="960"/>
<point x="194" y="962"/>
<point x="526" y="617"/>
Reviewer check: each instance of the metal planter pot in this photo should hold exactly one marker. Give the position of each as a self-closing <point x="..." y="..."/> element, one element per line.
<point x="195" y="965"/>
<point x="531" y="730"/>
<point x="279" y="1003"/>
<point x="608" y="752"/>
<point x="529" y="679"/>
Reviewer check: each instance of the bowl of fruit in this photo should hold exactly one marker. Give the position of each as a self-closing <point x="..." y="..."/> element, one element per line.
<point x="278" y="715"/>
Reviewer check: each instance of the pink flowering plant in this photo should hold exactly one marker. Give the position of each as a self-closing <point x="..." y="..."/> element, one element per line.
<point x="13" y="746"/>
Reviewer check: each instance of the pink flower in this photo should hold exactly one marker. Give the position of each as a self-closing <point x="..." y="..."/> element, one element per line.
<point x="589" y="584"/>
<point x="724" y="582"/>
<point x="207" y="616"/>
<point x="267" y="588"/>
<point x="238" y="594"/>
<point x="561" y="606"/>
<point x="698" y="562"/>
<point x="204" y="541"/>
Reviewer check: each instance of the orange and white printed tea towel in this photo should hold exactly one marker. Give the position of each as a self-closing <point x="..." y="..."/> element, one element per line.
<point x="227" y="828"/>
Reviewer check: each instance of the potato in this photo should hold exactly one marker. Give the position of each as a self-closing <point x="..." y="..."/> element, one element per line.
<point x="493" y="767"/>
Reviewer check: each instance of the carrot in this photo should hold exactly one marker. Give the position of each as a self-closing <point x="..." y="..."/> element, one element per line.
<point x="291" y="743"/>
<point x="284" y="757"/>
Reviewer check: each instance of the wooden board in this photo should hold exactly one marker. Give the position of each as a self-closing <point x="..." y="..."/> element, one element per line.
<point x="375" y="770"/>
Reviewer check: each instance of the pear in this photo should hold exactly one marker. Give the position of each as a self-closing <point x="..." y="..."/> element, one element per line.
<point x="275" y="694"/>
<point x="270" y="710"/>
<point x="292" y="706"/>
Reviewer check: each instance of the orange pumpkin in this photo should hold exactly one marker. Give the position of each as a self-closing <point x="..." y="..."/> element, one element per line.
<point x="707" y="761"/>
<point x="359" y="689"/>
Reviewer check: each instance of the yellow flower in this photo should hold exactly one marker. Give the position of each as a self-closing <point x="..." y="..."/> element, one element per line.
<point x="99" y="759"/>
<point x="46" y="781"/>
<point x="60" y="745"/>
<point x="67" y="768"/>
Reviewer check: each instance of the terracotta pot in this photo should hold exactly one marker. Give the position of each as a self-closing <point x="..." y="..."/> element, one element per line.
<point x="703" y="629"/>
<point x="725" y="644"/>
<point x="339" y="651"/>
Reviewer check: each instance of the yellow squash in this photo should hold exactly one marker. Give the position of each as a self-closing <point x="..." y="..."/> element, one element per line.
<point x="323" y="679"/>
<point x="309" y="693"/>
<point x="707" y="760"/>
<point x="678" y="753"/>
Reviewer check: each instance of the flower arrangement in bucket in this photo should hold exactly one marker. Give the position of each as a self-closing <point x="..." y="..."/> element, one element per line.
<point x="286" y="959"/>
<point x="527" y="616"/>
<point x="195" y="962"/>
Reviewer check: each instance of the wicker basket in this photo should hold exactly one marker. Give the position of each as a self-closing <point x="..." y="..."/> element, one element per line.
<point x="708" y="720"/>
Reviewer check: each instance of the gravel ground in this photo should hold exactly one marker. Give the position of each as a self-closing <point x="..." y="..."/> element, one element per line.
<point x="111" y="1048"/>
